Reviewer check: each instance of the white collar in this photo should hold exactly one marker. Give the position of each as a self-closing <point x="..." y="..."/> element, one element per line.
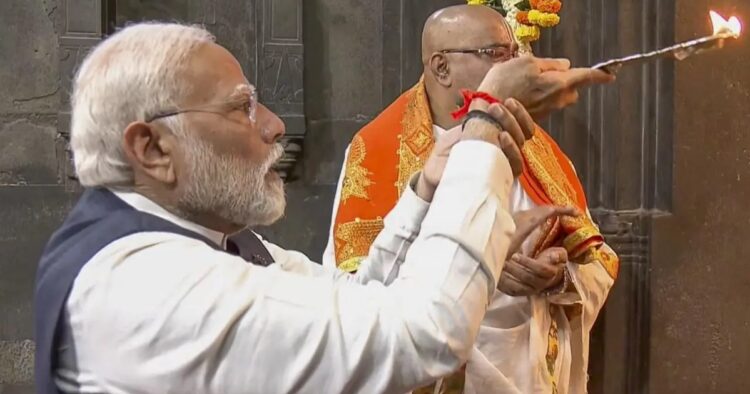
<point x="144" y="204"/>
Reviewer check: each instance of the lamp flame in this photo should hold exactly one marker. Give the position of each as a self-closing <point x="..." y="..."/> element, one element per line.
<point x="731" y="27"/>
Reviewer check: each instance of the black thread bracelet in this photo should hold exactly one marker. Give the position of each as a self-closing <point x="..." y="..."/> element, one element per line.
<point x="478" y="114"/>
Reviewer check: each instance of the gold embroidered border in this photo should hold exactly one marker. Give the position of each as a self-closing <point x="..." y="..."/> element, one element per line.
<point x="547" y="170"/>
<point x="416" y="139"/>
<point x="549" y="230"/>
<point x="354" y="240"/>
<point x="607" y="259"/>
<point x="351" y="265"/>
<point x="553" y="349"/>
<point x="573" y="241"/>
<point x="356" y="176"/>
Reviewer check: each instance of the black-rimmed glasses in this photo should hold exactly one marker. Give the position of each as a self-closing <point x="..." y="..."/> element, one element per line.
<point x="496" y="53"/>
<point x="247" y="102"/>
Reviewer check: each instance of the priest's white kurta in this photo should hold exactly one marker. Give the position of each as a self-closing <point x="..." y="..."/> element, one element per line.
<point x="510" y="352"/>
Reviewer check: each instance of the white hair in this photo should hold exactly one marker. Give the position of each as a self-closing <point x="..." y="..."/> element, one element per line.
<point x="130" y="76"/>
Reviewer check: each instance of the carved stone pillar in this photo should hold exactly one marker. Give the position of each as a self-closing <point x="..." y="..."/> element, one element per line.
<point x="280" y="71"/>
<point x="620" y="139"/>
<point x="264" y="35"/>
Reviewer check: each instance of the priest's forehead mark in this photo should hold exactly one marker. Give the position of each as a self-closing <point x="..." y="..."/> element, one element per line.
<point x="485" y="33"/>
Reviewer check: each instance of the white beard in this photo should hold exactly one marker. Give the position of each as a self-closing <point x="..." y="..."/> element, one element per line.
<point x="232" y="188"/>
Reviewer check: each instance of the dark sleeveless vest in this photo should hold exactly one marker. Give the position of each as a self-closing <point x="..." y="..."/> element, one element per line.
<point x="98" y="219"/>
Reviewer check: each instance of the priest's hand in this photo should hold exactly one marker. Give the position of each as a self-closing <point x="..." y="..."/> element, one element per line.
<point x="524" y="276"/>
<point x="528" y="221"/>
<point x="541" y="85"/>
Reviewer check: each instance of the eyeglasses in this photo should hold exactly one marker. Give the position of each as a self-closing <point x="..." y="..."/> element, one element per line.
<point x="495" y="53"/>
<point x="244" y="99"/>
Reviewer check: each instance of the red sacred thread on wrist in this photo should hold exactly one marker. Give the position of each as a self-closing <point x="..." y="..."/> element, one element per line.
<point x="470" y="96"/>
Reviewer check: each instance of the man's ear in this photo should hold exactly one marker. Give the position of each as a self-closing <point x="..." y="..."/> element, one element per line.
<point x="440" y="69"/>
<point x="150" y="150"/>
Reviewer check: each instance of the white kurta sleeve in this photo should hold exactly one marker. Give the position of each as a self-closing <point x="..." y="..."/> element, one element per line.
<point x="178" y="316"/>
<point x="400" y="229"/>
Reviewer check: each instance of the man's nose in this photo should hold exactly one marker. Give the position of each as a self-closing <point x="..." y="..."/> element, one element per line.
<point x="272" y="126"/>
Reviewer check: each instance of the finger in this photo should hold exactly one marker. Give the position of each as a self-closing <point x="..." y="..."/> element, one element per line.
<point x="555" y="210"/>
<point x="537" y="267"/>
<point x="528" y="127"/>
<point x="528" y="221"/>
<point x="512" y="153"/>
<point x="520" y="267"/>
<point x="511" y="286"/>
<point x="555" y="255"/>
<point x="578" y="77"/>
<point x="508" y="122"/>
<point x="569" y="97"/>
<point x="547" y="64"/>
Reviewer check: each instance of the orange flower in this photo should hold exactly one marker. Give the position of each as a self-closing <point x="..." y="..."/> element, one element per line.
<point x="549" y="6"/>
<point x="523" y="17"/>
<point x="533" y="3"/>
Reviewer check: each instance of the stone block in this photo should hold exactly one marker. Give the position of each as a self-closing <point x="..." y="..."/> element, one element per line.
<point x="325" y="148"/>
<point x="343" y="58"/>
<point x="29" y="216"/>
<point x="17" y="389"/>
<point x="29" y="152"/>
<point x="16" y="362"/>
<point x="307" y="220"/>
<point x="29" y="65"/>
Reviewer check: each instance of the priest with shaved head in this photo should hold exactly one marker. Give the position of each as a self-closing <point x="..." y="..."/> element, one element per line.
<point x="534" y="337"/>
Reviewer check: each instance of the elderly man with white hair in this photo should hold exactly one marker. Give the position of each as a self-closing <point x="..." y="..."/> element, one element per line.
<point x="144" y="290"/>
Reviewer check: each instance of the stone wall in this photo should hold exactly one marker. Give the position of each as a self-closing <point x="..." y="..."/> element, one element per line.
<point x="33" y="199"/>
<point x="359" y="55"/>
<point x="700" y="281"/>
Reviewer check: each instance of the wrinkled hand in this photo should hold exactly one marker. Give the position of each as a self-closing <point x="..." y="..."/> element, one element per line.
<point x="541" y="85"/>
<point x="516" y="125"/>
<point x="527" y="221"/>
<point x="524" y="276"/>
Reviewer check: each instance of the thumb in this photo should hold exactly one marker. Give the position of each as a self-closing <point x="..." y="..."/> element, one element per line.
<point x="547" y="64"/>
<point x="557" y="255"/>
<point x="587" y="76"/>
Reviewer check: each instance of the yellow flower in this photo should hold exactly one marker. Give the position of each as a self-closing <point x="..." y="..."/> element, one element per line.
<point x="543" y="19"/>
<point x="551" y="6"/>
<point x="477" y="2"/>
<point x="527" y="33"/>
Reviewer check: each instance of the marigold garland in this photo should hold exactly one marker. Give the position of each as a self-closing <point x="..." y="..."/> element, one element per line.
<point x="543" y="19"/>
<point x="522" y="17"/>
<point x="549" y="6"/>
<point x="526" y="33"/>
<point x="526" y="17"/>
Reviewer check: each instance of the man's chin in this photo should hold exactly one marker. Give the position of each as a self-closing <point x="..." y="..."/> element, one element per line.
<point x="273" y="176"/>
<point x="275" y="207"/>
<point x="271" y="216"/>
